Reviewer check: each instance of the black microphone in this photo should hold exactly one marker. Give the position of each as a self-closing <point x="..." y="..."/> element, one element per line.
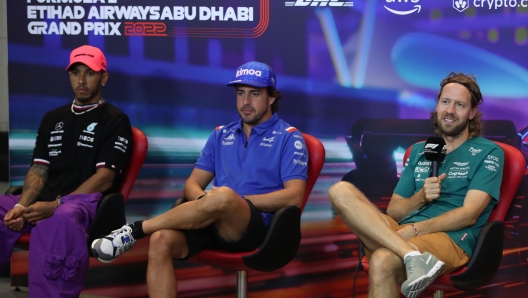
<point x="435" y="152"/>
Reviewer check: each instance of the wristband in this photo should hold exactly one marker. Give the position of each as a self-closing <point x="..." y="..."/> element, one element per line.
<point x="18" y="205"/>
<point x="415" y="230"/>
<point x="200" y="196"/>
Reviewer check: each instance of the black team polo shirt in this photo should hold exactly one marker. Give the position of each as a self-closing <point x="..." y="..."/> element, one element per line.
<point x="75" y="146"/>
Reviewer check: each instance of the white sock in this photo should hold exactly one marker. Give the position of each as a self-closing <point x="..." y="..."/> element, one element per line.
<point x="411" y="254"/>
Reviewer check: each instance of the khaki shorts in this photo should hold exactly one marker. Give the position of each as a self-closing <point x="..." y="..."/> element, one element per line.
<point x="439" y="244"/>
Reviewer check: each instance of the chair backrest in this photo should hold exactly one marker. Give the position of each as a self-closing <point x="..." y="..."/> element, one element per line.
<point x="316" y="157"/>
<point x="135" y="161"/>
<point x="514" y="169"/>
<point x="513" y="172"/>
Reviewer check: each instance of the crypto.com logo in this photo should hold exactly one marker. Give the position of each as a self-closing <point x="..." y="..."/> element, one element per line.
<point x="318" y="3"/>
<point x="403" y="12"/>
<point x="460" y="5"/>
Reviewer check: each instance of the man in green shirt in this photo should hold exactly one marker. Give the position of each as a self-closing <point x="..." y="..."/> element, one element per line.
<point x="431" y="223"/>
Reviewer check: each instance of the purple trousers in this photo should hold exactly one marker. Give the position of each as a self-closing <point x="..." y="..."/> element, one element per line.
<point x="58" y="252"/>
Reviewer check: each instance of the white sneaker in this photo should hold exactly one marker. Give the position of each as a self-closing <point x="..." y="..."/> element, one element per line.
<point x="106" y="249"/>
<point x="421" y="270"/>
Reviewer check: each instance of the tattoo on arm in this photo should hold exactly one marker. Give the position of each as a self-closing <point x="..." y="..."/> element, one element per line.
<point x="35" y="180"/>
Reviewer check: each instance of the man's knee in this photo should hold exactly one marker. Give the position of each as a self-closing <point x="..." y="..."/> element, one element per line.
<point x="340" y="191"/>
<point x="220" y="199"/>
<point x="167" y="244"/>
<point x="63" y="215"/>
<point x="385" y="264"/>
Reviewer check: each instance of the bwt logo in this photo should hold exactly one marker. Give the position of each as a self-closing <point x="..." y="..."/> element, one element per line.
<point x="431" y="146"/>
<point x="474" y="151"/>
<point x="460" y="5"/>
<point x="318" y="3"/>
<point x="245" y="71"/>
<point x="403" y="12"/>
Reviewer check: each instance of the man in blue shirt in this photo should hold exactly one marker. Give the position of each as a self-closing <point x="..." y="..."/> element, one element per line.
<point x="432" y="222"/>
<point x="257" y="165"/>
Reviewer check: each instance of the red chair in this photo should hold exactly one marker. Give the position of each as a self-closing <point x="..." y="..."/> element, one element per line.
<point x="284" y="232"/>
<point x="488" y="248"/>
<point x="111" y="209"/>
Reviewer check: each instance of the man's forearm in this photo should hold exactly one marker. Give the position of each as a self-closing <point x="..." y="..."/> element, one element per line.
<point x="291" y="195"/>
<point x="101" y="181"/>
<point x="271" y="202"/>
<point x="475" y="203"/>
<point x="35" y="180"/>
<point x="453" y="220"/>
<point x="192" y="190"/>
<point x="400" y="207"/>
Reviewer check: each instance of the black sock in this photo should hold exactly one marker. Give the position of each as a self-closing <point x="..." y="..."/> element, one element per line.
<point x="137" y="230"/>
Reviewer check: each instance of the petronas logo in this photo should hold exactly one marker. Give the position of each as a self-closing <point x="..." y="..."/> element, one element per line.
<point x="91" y="127"/>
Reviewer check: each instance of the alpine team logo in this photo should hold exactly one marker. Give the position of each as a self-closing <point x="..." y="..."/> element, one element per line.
<point x="460" y="5"/>
<point x="403" y="12"/>
<point x="229" y="140"/>
<point x="91" y="127"/>
<point x="318" y="3"/>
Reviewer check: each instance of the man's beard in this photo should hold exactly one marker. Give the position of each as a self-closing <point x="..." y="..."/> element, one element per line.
<point x="84" y="99"/>
<point x="455" y="131"/>
<point x="255" y="119"/>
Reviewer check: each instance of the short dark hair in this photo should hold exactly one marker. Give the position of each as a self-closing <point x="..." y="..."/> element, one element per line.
<point x="272" y="92"/>
<point x="470" y="82"/>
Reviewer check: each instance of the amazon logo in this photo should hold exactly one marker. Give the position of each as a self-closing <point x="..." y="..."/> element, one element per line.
<point x="403" y="12"/>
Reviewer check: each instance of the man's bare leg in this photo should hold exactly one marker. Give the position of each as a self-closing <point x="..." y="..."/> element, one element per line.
<point x="374" y="231"/>
<point x="365" y="220"/>
<point x="386" y="274"/>
<point x="165" y="245"/>
<point x="222" y="207"/>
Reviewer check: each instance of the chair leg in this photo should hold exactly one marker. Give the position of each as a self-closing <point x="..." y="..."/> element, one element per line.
<point x="438" y="294"/>
<point x="241" y="284"/>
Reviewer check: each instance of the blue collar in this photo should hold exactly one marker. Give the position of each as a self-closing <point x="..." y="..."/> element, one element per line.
<point x="262" y="127"/>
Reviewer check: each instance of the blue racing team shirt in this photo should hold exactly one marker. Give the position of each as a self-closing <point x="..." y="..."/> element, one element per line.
<point x="274" y="154"/>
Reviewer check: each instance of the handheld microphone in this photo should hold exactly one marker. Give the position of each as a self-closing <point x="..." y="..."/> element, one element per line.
<point x="435" y="152"/>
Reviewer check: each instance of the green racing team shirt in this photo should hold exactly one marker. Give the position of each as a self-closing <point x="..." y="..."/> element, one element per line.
<point x="476" y="164"/>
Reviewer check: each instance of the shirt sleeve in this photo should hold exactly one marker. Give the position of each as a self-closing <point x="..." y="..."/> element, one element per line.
<point x="488" y="176"/>
<point x="206" y="161"/>
<point x="294" y="158"/>
<point x="116" y="145"/>
<point x="40" y="152"/>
